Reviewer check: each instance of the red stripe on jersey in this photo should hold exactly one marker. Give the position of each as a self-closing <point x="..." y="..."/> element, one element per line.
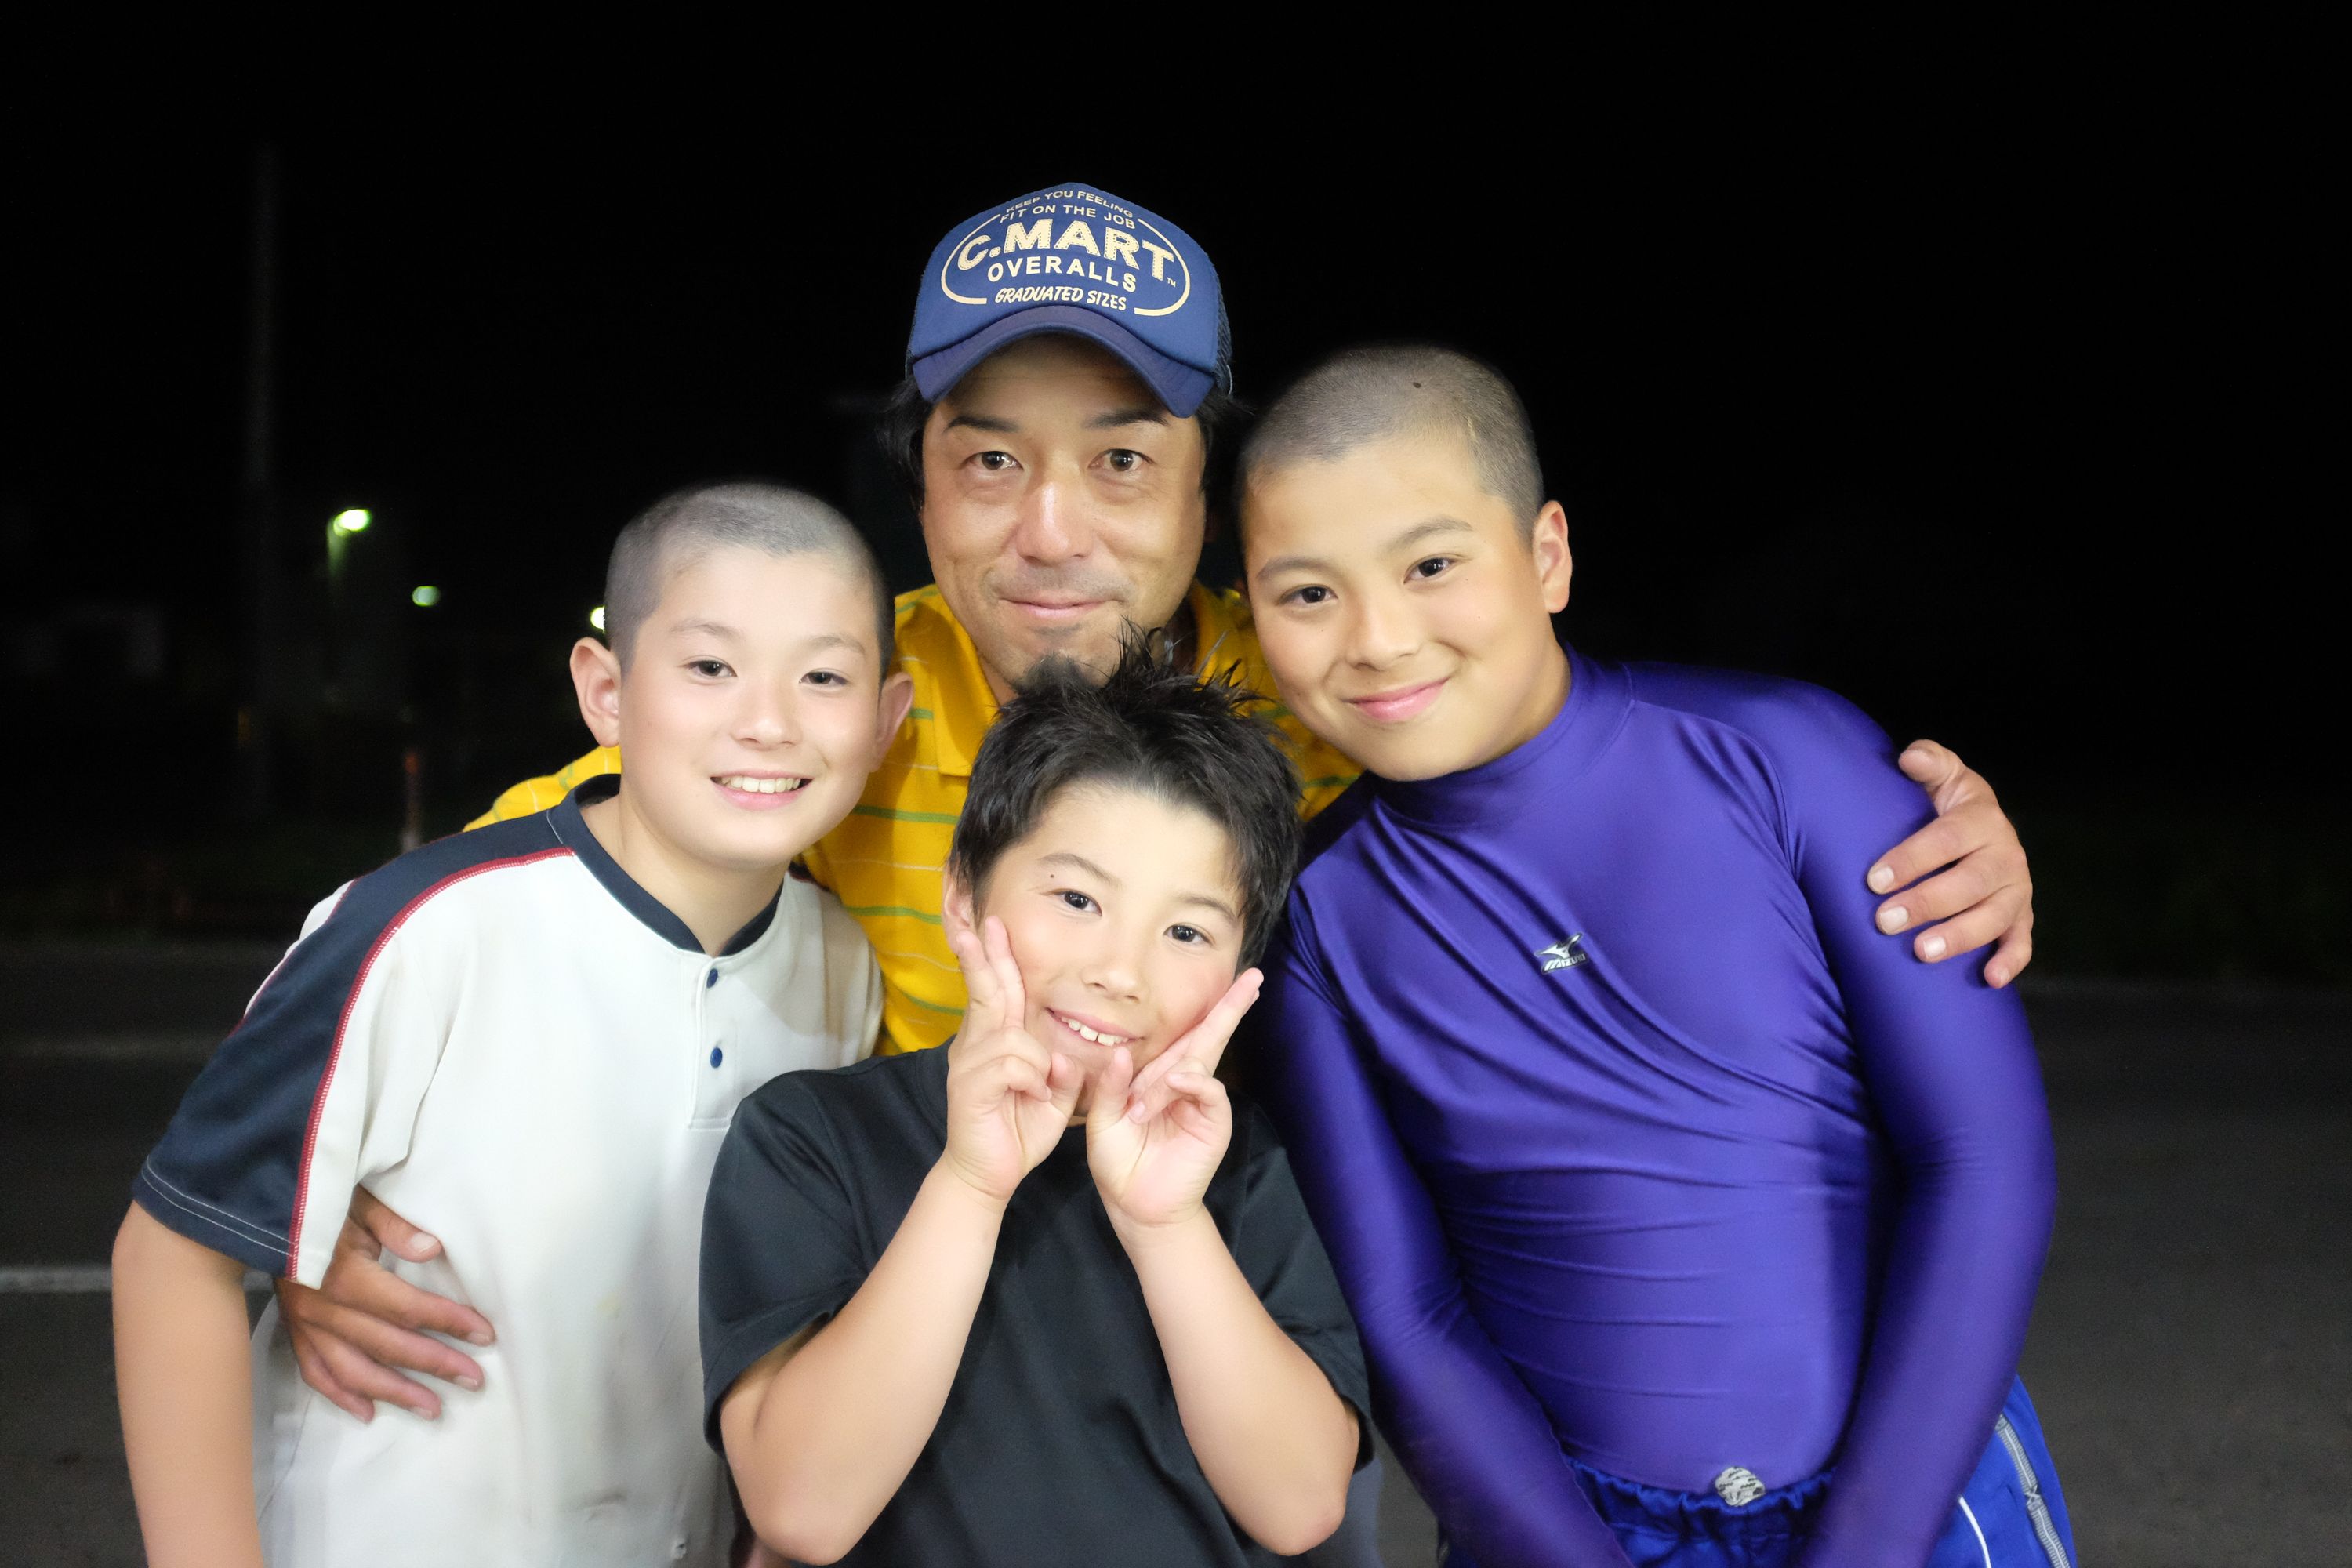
<point x="359" y="984"/>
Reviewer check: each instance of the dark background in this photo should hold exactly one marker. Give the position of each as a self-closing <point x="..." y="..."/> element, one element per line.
<point x="1990" y="377"/>
<point x="2000" y="412"/>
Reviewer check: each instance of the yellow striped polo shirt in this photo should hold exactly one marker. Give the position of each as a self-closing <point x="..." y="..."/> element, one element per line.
<point x="883" y="862"/>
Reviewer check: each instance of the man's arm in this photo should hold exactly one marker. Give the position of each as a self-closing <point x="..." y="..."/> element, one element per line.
<point x="184" y="1376"/>
<point x="1952" y="1073"/>
<point x="1469" y="1432"/>
<point x="1982" y="891"/>
<point x="534" y="795"/>
<point x="363" y="1321"/>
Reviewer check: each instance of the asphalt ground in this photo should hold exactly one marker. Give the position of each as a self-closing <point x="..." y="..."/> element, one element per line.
<point x="2192" y="1352"/>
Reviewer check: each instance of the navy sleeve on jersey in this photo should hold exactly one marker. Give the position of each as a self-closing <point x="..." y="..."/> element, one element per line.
<point x="235" y="1170"/>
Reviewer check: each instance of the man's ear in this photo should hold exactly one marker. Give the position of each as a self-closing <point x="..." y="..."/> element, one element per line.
<point x="596" y="677"/>
<point x="897" y="696"/>
<point x="1554" y="565"/>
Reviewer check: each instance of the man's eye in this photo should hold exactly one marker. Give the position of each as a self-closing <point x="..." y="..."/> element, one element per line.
<point x="825" y="677"/>
<point x="1123" y="459"/>
<point x="1077" y="901"/>
<point x="995" y="462"/>
<point x="709" y="669"/>
<point x="1433" y="566"/>
<point x="1312" y="594"/>
<point x="1188" y="934"/>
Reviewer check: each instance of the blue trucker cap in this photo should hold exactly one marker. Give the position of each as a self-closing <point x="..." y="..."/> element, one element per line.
<point x="1073" y="258"/>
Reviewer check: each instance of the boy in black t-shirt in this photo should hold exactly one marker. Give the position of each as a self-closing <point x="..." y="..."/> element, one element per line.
<point x="1038" y="1298"/>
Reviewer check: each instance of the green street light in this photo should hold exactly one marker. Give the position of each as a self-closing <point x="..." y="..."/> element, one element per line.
<point x="356" y="520"/>
<point x="425" y="597"/>
<point x="596" y="618"/>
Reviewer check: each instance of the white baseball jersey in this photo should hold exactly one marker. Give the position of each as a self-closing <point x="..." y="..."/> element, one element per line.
<point x="513" y="1045"/>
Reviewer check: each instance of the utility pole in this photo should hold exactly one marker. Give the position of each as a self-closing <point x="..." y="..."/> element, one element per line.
<point x="263" y="687"/>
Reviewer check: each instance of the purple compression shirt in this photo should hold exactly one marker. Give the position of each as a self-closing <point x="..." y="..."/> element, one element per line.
<point x="1630" y="1135"/>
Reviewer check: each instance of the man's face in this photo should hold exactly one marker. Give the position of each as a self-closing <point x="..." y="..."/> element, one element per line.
<point x="1125" y="920"/>
<point x="1060" y="501"/>
<point x="753" y="707"/>
<point x="1404" y="615"/>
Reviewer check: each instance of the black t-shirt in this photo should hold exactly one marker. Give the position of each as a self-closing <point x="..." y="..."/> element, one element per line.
<point x="1060" y="1441"/>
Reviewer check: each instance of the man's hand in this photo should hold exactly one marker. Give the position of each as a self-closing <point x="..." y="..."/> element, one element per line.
<point x="1982" y="891"/>
<point x="365" y="1321"/>
<point x="1008" y="1098"/>
<point x="1152" y="1174"/>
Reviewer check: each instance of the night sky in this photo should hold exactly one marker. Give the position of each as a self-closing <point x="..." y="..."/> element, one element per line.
<point x="2002" y="432"/>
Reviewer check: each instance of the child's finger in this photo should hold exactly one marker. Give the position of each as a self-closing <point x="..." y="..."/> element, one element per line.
<point x="1066" y="1078"/>
<point x="1011" y="997"/>
<point x="1200" y="1106"/>
<point x="1149" y="1102"/>
<point x="1204" y="1041"/>
<point x="983" y="1011"/>
<point x="1014" y="1074"/>
<point x="1207" y="1038"/>
<point x="1112" y="1086"/>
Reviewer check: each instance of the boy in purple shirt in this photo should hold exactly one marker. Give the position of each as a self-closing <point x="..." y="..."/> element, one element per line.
<point x="1685" y="1219"/>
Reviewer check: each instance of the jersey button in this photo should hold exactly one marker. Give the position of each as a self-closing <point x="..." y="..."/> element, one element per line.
<point x="710" y="979"/>
<point x="717" y="1055"/>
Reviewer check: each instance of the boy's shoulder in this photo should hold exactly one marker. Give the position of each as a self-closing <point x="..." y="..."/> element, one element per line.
<point x="370" y="910"/>
<point x="874" y="1108"/>
<point x="1777" y="712"/>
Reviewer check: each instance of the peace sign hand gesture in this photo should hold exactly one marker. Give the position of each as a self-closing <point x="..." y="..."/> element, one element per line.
<point x="1153" y="1166"/>
<point x="1008" y="1098"/>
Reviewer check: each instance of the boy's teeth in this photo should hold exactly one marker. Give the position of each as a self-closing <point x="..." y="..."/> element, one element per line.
<point x="1085" y="1034"/>
<point x="762" y="786"/>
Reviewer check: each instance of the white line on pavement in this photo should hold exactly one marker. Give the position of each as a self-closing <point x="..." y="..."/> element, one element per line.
<point x="79" y="1279"/>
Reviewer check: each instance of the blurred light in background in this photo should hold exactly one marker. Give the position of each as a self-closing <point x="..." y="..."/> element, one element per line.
<point x="596" y="618"/>
<point x="424" y="596"/>
<point x="356" y="520"/>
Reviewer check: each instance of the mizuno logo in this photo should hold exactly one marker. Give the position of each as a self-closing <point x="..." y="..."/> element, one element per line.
<point x="1565" y="954"/>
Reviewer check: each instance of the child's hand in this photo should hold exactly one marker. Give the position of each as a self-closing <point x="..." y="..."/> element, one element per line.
<point x="1008" y="1098"/>
<point x="1202" y="1046"/>
<point x="1152" y="1173"/>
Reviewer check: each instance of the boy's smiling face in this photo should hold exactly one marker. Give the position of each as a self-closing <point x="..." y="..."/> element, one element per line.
<point x="1405" y="613"/>
<point x="752" y="708"/>
<point x="1124" y="917"/>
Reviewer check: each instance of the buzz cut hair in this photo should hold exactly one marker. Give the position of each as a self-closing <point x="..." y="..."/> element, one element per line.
<point x="1202" y="744"/>
<point x="1361" y="395"/>
<point x="686" y="525"/>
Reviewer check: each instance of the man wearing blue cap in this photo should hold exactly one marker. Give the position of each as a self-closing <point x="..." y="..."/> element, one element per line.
<point x="1070" y="383"/>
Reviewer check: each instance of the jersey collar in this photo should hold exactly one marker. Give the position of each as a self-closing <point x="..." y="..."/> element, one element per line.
<point x="1598" y="699"/>
<point x="564" y="818"/>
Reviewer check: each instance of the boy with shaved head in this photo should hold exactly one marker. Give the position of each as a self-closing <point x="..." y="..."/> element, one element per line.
<point x="1684" y="1223"/>
<point x="532" y="1039"/>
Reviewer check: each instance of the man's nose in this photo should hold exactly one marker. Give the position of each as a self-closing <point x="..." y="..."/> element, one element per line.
<point x="1052" y="524"/>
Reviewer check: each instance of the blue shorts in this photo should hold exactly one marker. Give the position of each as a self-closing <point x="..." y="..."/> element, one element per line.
<point x="2010" y="1514"/>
